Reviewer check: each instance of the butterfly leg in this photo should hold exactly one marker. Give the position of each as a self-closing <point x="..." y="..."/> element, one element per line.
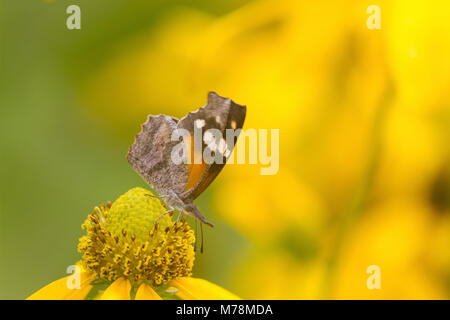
<point x="179" y="217"/>
<point x="163" y="214"/>
<point x="195" y="244"/>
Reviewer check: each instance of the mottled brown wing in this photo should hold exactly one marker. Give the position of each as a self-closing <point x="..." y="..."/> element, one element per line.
<point x="219" y="113"/>
<point x="150" y="156"/>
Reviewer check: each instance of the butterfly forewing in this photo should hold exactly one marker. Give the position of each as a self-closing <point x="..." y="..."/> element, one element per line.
<point x="217" y="116"/>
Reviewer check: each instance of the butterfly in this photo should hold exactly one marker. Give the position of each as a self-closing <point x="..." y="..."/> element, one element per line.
<point x="179" y="184"/>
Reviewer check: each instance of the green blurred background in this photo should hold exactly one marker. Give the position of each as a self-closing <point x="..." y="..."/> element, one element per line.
<point x="364" y="119"/>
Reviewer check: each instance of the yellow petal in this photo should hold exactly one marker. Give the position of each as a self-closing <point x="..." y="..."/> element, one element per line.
<point x="145" y="292"/>
<point x="59" y="290"/>
<point x="118" y="290"/>
<point x="199" y="289"/>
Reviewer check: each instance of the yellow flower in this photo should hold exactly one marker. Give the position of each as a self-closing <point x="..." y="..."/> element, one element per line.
<point x="132" y="251"/>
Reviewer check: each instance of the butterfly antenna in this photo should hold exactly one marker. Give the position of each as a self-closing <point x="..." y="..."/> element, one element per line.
<point x="195" y="244"/>
<point x="201" y="232"/>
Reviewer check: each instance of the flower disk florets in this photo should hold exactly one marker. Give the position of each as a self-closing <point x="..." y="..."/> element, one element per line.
<point x="125" y="239"/>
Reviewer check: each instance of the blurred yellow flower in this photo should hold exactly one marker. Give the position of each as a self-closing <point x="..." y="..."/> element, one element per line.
<point x="412" y="154"/>
<point x="257" y="198"/>
<point x="395" y="236"/>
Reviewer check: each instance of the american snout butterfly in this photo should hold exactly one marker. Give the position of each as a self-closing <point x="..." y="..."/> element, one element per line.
<point x="180" y="184"/>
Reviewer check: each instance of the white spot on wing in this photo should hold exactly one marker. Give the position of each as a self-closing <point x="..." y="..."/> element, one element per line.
<point x="199" y="123"/>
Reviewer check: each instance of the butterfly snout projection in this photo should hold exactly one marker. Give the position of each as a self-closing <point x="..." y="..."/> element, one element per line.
<point x="180" y="158"/>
